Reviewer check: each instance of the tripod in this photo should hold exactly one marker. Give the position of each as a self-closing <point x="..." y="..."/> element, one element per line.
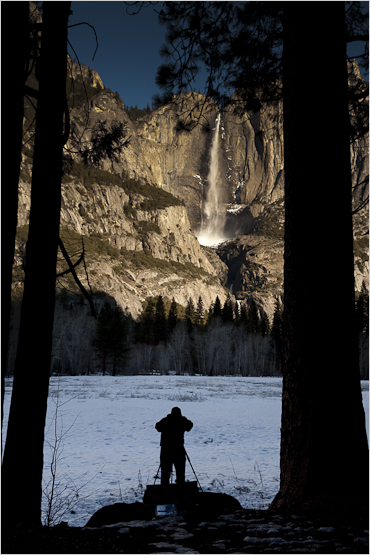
<point x="196" y="477"/>
<point x="187" y="456"/>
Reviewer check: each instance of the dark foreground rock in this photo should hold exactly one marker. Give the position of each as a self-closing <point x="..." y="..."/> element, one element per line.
<point x="120" y="512"/>
<point x="244" y="531"/>
<point x="195" y="507"/>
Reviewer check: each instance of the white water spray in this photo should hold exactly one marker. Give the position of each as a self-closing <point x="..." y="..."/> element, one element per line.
<point x="213" y="213"/>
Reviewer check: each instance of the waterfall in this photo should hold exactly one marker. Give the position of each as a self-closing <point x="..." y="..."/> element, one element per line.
<point x="213" y="210"/>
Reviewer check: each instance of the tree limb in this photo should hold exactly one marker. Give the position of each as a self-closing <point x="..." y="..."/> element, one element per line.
<point x="74" y="266"/>
<point x="361" y="206"/>
<point x="78" y="282"/>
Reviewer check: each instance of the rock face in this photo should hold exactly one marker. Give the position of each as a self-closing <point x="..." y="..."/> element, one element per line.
<point x="130" y="259"/>
<point x="251" y="167"/>
<point x="155" y="249"/>
<point x="250" y="155"/>
<point x="254" y="147"/>
<point x="89" y="75"/>
<point x="255" y="269"/>
<point x="179" y="161"/>
<point x="252" y="172"/>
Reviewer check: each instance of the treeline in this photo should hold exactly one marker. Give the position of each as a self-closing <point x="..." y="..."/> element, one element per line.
<point x="134" y="112"/>
<point x="224" y="340"/>
<point x="233" y="339"/>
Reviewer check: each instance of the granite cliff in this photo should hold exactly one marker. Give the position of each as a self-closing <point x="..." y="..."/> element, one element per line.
<point x="145" y="244"/>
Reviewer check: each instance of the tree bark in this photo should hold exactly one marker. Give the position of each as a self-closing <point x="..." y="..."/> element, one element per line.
<point x="324" y="451"/>
<point x="15" y="36"/>
<point x="23" y="455"/>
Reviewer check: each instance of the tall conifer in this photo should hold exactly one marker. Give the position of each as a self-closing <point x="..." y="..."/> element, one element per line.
<point x="172" y="316"/>
<point x="160" y="322"/>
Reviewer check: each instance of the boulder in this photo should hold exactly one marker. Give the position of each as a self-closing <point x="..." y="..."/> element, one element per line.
<point x="194" y="505"/>
<point x="120" y="512"/>
<point x="207" y="506"/>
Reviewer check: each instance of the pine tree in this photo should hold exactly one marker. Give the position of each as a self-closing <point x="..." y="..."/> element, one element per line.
<point x="111" y="341"/>
<point x="277" y="328"/>
<point x="172" y="316"/>
<point x="17" y="17"/>
<point x="324" y="448"/>
<point x="237" y="313"/>
<point x="160" y="321"/>
<point x="102" y="341"/>
<point x="264" y="324"/>
<point x="228" y="311"/>
<point x="252" y="318"/>
<point x="243" y="317"/>
<point x="145" y="331"/>
<point x="190" y="314"/>
<point x="200" y="312"/>
<point x="26" y="423"/>
<point x="119" y="339"/>
<point x="217" y="310"/>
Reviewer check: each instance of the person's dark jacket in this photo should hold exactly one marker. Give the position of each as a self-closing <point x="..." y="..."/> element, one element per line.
<point x="172" y="429"/>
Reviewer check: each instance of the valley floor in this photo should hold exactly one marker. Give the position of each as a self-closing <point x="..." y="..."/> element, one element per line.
<point x="109" y="449"/>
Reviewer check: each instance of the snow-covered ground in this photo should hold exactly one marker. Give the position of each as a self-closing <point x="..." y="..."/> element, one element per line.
<point x="110" y="449"/>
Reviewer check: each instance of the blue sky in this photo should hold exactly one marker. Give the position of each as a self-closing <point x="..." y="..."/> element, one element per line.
<point x="128" y="55"/>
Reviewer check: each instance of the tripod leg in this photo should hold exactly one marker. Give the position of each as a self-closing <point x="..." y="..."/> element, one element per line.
<point x="156" y="476"/>
<point x="196" y="477"/>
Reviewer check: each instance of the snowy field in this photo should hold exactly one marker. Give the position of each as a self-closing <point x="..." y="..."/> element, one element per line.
<point x="109" y="449"/>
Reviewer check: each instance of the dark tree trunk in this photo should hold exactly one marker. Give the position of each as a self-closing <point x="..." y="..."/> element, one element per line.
<point x="23" y="455"/>
<point x="15" y="39"/>
<point x="324" y="451"/>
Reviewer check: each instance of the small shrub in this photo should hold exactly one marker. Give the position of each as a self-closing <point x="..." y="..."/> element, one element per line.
<point x="94" y="244"/>
<point x="186" y="396"/>
<point x="89" y="176"/>
<point x="80" y="92"/>
<point x="129" y="211"/>
<point x="144" y="227"/>
<point x="156" y="198"/>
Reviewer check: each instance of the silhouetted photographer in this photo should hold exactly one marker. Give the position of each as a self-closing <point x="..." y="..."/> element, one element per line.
<point x="172" y="429"/>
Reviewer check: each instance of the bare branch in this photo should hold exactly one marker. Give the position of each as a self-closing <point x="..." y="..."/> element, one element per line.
<point x="96" y="36"/>
<point x="361" y="206"/>
<point x="76" y="278"/>
<point x="74" y="266"/>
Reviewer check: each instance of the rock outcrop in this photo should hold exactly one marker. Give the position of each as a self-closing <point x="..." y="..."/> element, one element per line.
<point x="130" y="259"/>
<point x="178" y="160"/>
<point x="255" y="270"/>
<point x="88" y="75"/>
<point x="156" y="249"/>
<point x="250" y="148"/>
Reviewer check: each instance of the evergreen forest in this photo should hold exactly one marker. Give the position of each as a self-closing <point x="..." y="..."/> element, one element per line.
<point x="233" y="339"/>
